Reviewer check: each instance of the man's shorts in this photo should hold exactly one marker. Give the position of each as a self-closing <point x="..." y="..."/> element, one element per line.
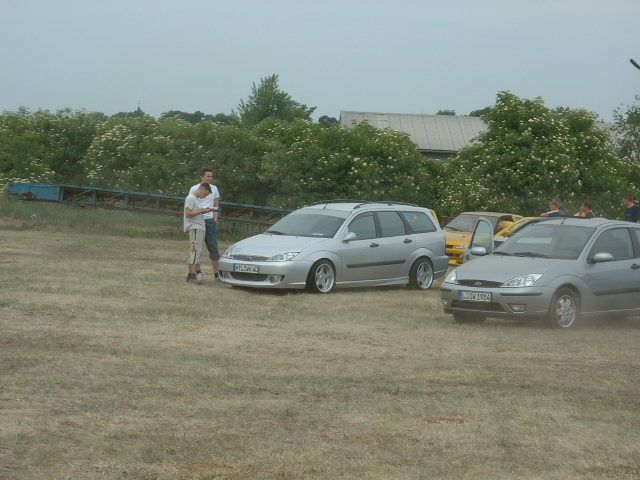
<point x="196" y="238"/>
<point x="211" y="239"/>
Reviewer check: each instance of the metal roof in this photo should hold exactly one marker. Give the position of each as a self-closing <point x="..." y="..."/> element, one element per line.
<point x="434" y="133"/>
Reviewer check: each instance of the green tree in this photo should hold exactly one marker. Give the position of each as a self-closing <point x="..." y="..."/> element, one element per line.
<point x="480" y="112"/>
<point x="327" y="121"/>
<point x="627" y="129"/>
<point x="43" y="146"/>
<point x="530" y="153"/>
<point x="449" y="112"/>
<point x="267" y="100"/>
<point x="307" y="162"/>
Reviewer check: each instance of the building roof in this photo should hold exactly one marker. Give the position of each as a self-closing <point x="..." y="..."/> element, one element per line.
<point x="433" y="133"/>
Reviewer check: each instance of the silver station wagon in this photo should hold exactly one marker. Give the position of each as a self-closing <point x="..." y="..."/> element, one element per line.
<point x="558" y="270"/>
<point x="341" y="244"/>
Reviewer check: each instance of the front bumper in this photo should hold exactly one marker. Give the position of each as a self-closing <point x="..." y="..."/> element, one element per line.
<point x="455" y="254"/>
<point x="291" y="274"/>
<point x="525" y="303"/>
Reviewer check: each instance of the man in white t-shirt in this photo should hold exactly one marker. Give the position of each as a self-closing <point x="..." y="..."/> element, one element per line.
<point x="211" y="201"/>
<point x="194" y="224"/>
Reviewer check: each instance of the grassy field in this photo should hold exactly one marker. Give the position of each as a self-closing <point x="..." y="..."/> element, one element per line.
<point x="111" y="367"/>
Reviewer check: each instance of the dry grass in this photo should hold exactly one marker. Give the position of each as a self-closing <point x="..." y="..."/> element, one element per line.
<point x="111" y="367"/>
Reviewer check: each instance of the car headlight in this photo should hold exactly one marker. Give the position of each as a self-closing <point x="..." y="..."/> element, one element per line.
<point x="452" y="278"/>
<point x="228" y="253"/>
<point x="283" y="257"/>
<point x="522" y="281"/>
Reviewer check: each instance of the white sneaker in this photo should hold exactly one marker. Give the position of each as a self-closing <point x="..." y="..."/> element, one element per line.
<point x="199" y="277"/>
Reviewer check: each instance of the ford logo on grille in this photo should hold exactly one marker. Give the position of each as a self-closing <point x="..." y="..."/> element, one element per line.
<point x="477" y="284"/>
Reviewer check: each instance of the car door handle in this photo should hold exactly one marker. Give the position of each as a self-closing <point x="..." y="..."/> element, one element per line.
<point x="407" y="240"/>
<point x="635" y="266"/>
<point x="374" y="245"/>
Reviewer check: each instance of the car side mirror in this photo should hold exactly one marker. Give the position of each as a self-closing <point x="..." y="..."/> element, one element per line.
<point x="350" y="236"/>
<point x="478" y="251"/>
<point x="602" y="257"/>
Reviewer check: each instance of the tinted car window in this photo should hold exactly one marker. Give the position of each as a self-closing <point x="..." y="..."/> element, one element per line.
<point x="482" y="236"/>
<point x="551" y="241"/>
<point x="391" y="224"/>
<point x="419" y="222"/>
<point x="467" y="222"/>
<point x="636" y="232"/>
<point x="307" y="225"/>
<point x="363" y="226"/>
<point x="616" y="241"/>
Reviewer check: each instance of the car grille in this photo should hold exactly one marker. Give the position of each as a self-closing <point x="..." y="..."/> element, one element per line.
<point x="481" y="306"/>
<point x="249" y="258"/>
<point x="479" y="283"/>
<point x="249" y="277"/>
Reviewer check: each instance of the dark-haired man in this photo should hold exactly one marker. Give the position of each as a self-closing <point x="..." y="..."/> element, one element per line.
<point x="212" y="202"/>
<point x="631" y="209"/>
<point x="194" y="224"/>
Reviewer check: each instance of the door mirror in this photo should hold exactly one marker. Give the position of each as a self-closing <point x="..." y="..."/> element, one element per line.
<point x="478" y="251"/>
<point x="350" y="236"/>
<point x="602" y="257"/>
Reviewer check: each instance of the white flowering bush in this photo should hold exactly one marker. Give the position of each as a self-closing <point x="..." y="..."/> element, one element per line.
<point x="306" y="162"/>
<point x="43" y="146"/>
<point x="531" y="153"/>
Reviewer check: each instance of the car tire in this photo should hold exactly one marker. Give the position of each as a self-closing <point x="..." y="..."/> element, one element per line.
<point x="564" y="310"/>
<point x="421" y="274"/>
<point x="460" y="317"/>
<point x="321" y="277"/>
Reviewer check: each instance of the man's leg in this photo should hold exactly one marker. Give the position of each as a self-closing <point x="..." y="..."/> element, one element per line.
<point x="196" y="238"/>
<point x="211" y="239"/>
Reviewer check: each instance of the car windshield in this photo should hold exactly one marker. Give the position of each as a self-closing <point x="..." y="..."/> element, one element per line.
<point x="467" y="222"/>
<point x="516" y="227"/>
<point x="307" y="225"/>
<point x="547" y="241"/>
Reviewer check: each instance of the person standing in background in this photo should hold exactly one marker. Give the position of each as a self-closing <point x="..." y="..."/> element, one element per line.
<point x="555" y="209"/>
<point x="585" y="210"/>
<point x="212" y="202"/>
<point x="193" y="221"/>
<point x="631" y="209"/>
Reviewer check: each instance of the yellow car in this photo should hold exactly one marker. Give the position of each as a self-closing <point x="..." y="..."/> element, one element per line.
<point x="505" y="233"/>
<point x="458" y="231"/>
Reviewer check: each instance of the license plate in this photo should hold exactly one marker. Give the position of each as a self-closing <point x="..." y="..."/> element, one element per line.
<point x="246" y="268"/>
<point x="475" y="296"/>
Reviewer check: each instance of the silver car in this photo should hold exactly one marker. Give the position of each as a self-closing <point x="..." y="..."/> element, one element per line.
<point x="341" y="244"/>
<point x="558" y="270"/>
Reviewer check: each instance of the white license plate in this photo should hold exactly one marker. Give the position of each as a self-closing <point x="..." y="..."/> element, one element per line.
<point x="475" y="296"/>
<point x="246" y="268"/>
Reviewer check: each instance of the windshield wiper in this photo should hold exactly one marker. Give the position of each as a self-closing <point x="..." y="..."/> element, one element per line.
<point x="275" y="232"/>
<point x="498" y="252"/>
<point x="530" y="254"/>
<point x="452" y="228"/>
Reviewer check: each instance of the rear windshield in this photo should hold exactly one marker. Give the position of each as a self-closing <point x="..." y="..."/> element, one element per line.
<point x="547" y="241"/>
<point x="307" y="225"/>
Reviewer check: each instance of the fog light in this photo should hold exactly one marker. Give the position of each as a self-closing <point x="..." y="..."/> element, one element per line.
<point x="518" y="307"/>
<point x="275" y="278"/>
<point x="445" y="302"/>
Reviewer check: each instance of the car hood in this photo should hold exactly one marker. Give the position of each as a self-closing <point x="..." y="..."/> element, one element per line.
<point x="266" y="245"/>
<point x="457" y="238"/>
<point x="500" y="268"/>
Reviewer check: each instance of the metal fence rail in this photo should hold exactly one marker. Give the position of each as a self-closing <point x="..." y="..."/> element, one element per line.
<point x="235" y="217"/>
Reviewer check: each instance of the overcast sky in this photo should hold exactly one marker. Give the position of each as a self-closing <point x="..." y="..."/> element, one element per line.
<point x="407" y="56"/>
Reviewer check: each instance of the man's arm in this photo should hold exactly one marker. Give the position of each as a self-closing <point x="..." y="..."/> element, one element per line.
<point x="189" y="213"/>
<point x="216" y="203"/>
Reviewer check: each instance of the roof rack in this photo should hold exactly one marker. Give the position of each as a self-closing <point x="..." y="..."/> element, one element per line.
<point x="360" y="203"/>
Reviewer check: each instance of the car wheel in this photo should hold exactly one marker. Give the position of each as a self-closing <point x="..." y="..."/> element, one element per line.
<point x="467" y="318"/>
<point x="322" y="277"/>
<point x="421" y="274"/>
<point x="564" y="309"/>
